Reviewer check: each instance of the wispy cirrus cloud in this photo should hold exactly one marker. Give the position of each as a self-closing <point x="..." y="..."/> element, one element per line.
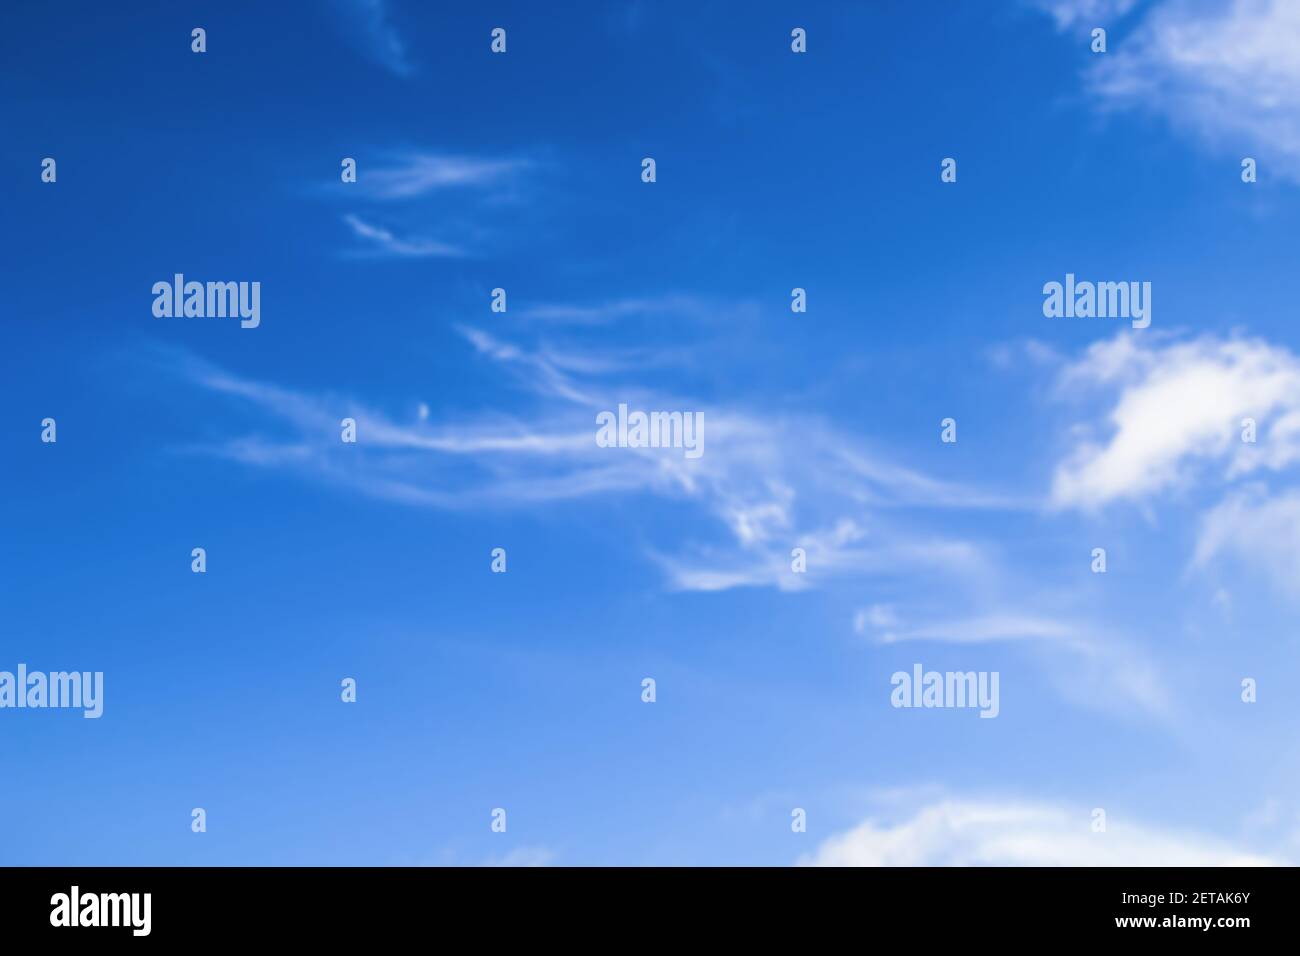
<point x="866" y="546"/>
<point x="971" y="630"/>
<point x="1088" y="663"/>
<point x="384" y="242"/>
<point x="1259" y="531"/>
<point x="368" y="25"/>
<point x="768" y="482"/>
<point x="412" y="174"/>
<point x="465" y="187"/>
<point x="606" y="312"/>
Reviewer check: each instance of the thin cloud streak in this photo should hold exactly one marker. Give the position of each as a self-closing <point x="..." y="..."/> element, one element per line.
<point x="385" y="242"/>
<point x="413" y="175"/>
<point x="368" y="24"/>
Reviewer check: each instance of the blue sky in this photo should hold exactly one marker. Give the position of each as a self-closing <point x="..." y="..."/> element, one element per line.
<point x="476" y="430"/>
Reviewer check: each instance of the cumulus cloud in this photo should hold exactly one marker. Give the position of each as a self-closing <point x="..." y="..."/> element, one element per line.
<point x="992" y="833"/>
<point x="1177" y="407"/>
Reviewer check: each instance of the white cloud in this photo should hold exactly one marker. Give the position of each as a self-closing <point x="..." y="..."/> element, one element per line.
<point x="1179" y="406"/>
<point x="368" y="23"/>
<point x="411" y="175"/>
<point x="464" y="186"/>
<point x="653" y="308"/>
<point x="385" y="242"/>
<point x="994" y="833"/>
<point x="544" y="371"/>
<point x="1258" y="531"/>
<point x="1229" y="72"/>
<point x="980" y="630"/>
<point x="767" y="483"/>
<point x="1088" y="13"/>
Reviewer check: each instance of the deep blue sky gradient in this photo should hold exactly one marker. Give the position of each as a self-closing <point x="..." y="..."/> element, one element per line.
<point x="522" y="690"/>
